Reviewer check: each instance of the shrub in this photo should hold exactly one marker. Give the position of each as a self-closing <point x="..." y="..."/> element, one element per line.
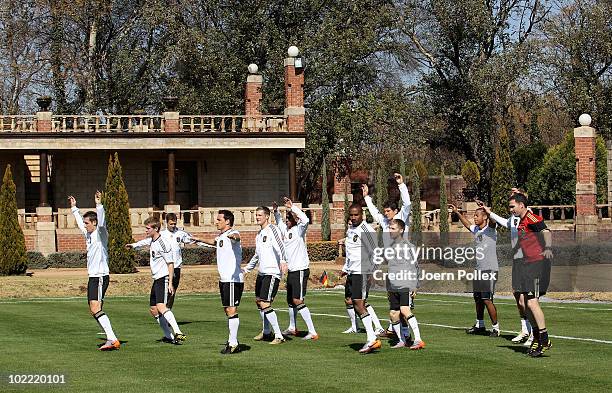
<point x="470" y="173"/>
<point x="325" y="223"/>
<point x="117" y="206"/>
<point x="68" y="259"/>
<point x="36" y="260"/>
<point x="12" y="242"/>
<point x="322" y="251"/>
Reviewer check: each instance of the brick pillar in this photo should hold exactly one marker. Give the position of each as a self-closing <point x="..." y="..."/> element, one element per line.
<point x="252" y="99"/>
<point x="342" y="187"/>
<point x="44" y="122"/>
<point x="294" y="93"/>
<point x="171" y="122"/>
<point x="586" y="189"/>
<point x="45" y="231"/>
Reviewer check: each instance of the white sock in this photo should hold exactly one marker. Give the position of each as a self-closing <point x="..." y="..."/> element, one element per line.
<point x="164" y="325"/>
<point x="233" y="323"/>
<point x="375" y="319"/>
<point x="271" y="317"/>
<point x="172" y="322"/>
<point x="305" y="313"/>
<point x="390" y="327"/>
<point x="265" y="324"/>
<point x="528" y="325"/>
<point x="106" y="325"/>
<point x="351" y="312"/>
<point x="414" y="325"/>
<point x="496" y="326"/>
<point x="480" y="323"/>
<point x="397" y="328"/>
<point x="366" y="319"/>
<point x="405" y="328"/>
<point x="292" y="312"/>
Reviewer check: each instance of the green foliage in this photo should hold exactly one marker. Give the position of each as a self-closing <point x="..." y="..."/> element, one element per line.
<point x="470" y="173"/>
<point x="503" y="174"/>
<point x="415" y="214"/>
<point x="322" y="251"/>
<point x="554" y="182"/>
<point x="325" y="223"/>
<point x="36" y="260"/>
<point x="12" y="242"/>
<point x="382" y="194"/>
<point x="421" y="170"/>
<point x="443" y="203"/>
<point x="67" y="259"/>
<point x="117" y="207"/>
<point x="525" y="159"/>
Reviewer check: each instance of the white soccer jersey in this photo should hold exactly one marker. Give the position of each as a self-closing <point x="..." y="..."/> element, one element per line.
<point x="403" y="214"/>
<point x="269" y="252"/>
<point x="295" y="244"/>
<point x="359" y="244"/>
<point x="229" y="257"/>
<point x="485" y="241"/>
<point x="512" y="224"/>
<point x="97" y="243"/>
<point x="161" y="253"/>
<point x="179" y="237"/>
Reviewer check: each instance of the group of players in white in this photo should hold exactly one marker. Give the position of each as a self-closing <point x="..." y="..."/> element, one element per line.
<point x="281" y="249"/>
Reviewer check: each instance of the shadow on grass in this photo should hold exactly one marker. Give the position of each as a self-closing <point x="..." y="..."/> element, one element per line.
<point x="516" y="348"/>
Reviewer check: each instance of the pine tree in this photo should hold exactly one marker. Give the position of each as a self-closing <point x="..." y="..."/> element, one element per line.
<point x="117" y="207"/>
<point x="325" y="224"/>
<point x="443" y="203"/>
<point x="12" y="242"/>
<point x="415" y="214"/>
<point x="503" y="174"/>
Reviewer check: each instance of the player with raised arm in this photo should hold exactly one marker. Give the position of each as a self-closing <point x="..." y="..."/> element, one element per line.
<point x="162" y="253"/>
<point x="512" y="223"/>
<point x="180" y="237"/>
<point x="359" y="244"/>
<point x="401" y="281"/>
<point x="93" y="226"/>
<point x="390" y="212"/>
<point x="231" y="279"/>
<point x="485" y="241"/>
<point x="294" y="233"/>
<point x="272" y="259"/>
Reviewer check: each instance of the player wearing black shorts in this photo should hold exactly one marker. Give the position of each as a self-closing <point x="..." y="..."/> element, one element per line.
<point x="535" y="241"/>
<point x="294" y="233"/>
<point x="272" y="259"/>
<point x="93" y="226"/>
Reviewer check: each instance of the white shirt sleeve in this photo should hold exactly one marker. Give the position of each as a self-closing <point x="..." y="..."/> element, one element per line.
<point x="78" y="219"/>
<point x="500" y="220"/>
<point x="101" y="216"/>
<point x="279" y="222"/>
<point x="406" y="203"/>
<point x="303" y="220"/>
<point x="373" y="210"/>
<point x="142" y="243"/>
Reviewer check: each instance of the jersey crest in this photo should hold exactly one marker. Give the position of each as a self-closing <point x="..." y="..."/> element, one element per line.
<point x="265" y="238"/>
<point x="221" y="243"/>
<point x="355" y="237"/>
<point x="290" y="235"/>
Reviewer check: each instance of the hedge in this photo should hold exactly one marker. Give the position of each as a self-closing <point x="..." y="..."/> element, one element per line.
<point x="318" y="251"/>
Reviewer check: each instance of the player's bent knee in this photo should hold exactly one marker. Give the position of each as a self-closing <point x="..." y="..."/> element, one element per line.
<point x="348" y="301"/>
<point x="263" y="305"/>
<point x="94" y="307"/>
<point x="297" y="302"/>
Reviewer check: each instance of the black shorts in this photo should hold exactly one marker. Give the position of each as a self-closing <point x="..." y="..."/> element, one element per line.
<point x="231" y="293"/>
<point x="535" y="278"/>
<point x="159" y="291"/>
<point x="398" y="299"/>
<point x="485" y="289"/>
<point x="266" y="287"/>
<point x="517" y="264"/>
<point x="96" y="288"/>
<point x="296" y="284"/>
<point x="176" y="278"/>
<point x="357" y="287"/>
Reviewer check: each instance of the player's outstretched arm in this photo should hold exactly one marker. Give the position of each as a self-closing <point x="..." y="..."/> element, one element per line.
<point x="251" y="265"/>
<point x="100" y="210"/>
<point x="76" y="214"/>
<point x="405" y="197"/>
<point x="371" y="208"/>
<point x="504" y="222"/>
<point x="279" y="219"/>
<point x="466" y="223"/>
<point x="142" y="243"/>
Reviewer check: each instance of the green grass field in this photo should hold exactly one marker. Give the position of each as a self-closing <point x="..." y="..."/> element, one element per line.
<point x="57" y="336"/>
